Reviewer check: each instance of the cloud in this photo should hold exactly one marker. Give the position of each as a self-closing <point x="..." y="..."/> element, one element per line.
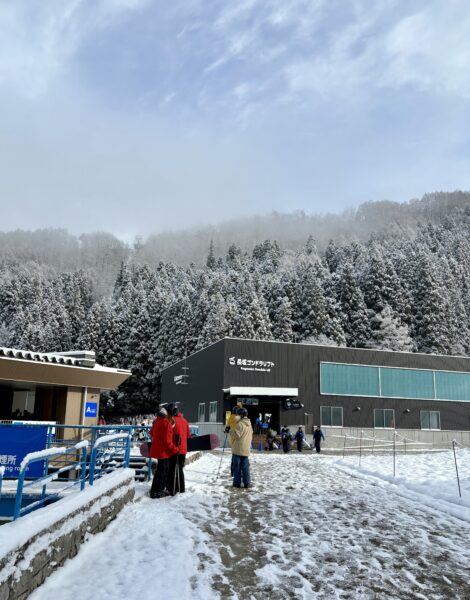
<point x="141" y="115"/>
<point x="39" y="39"/>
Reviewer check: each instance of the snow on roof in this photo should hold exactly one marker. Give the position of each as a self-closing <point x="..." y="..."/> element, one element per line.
<point x="74" y="358"/>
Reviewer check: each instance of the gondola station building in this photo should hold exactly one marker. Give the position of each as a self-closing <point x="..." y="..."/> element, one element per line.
<point x="346" y="389"/>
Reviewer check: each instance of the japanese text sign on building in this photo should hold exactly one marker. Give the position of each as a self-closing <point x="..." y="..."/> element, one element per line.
<point x="247" y="364"/>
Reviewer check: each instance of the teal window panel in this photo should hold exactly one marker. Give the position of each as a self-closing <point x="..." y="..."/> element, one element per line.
<point x="453" y="386"/>
<point x="407" y="383"/>
<point x="349" y="380"/>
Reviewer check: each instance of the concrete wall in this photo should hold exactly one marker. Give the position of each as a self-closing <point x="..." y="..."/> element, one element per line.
<point x="35" y="545"/>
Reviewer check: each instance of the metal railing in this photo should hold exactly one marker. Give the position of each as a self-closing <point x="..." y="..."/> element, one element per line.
<point x="102" y="449"/>
<point x="77" y="466"/>
<point x="106" y="453"/>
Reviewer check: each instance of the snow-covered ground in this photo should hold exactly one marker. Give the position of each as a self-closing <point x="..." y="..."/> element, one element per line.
<point x="311" y="527"/>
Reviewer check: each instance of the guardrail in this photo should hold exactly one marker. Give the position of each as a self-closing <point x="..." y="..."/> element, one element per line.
<point x="105" y="453"/>
<point x="73" y="464"/>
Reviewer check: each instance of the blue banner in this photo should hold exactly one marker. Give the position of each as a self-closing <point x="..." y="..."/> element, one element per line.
<point x="16" y="441"/>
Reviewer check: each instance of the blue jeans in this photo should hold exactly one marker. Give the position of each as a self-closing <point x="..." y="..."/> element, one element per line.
<point x="241" y="469"/>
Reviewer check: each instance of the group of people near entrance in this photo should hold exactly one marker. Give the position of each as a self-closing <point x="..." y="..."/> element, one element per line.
<point x="169" y="433"/>
<point x="299" y="437"/>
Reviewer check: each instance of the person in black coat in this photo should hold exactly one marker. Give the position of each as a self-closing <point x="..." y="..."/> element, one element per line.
<point x="286" y="437"/>
<point x="299" y="438"/>
<point x="317" y="438"/>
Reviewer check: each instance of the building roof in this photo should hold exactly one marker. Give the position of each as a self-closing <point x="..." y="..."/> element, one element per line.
<point x="76" y="368"/>
<point x="61" y="358"/>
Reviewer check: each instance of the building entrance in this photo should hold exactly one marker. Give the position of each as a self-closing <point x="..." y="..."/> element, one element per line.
<point x="268" y="410"/>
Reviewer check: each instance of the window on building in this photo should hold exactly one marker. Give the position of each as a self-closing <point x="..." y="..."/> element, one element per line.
<point x="338" y="379"/>
<point x="430" y="419"/>
<point x="331" y="416"/>
<point x="213" y="412"/>
<point x="452" y="386"/>
<point x="384" y="418"/>
<point x="349" y="380"/>
<point x="407" y="383"/>
<point x="201" y="417"/>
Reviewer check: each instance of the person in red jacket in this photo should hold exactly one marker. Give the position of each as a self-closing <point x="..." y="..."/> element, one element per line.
<point x="162" y="448"/>
<point x="181" y="434"/>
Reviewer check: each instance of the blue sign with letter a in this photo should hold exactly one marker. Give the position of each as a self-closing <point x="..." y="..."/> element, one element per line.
<point x="91" y="409"/>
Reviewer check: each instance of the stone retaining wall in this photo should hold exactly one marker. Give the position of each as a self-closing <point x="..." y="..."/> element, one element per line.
<point x="32" y="547"/>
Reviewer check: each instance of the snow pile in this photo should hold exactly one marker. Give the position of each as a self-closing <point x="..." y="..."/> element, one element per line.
<point x="105" y="439"/>
<point x="42" y="454"/>
<point x="428" y="478"/>
<point x="82" y="444"/>
<point x="15" y="534"/>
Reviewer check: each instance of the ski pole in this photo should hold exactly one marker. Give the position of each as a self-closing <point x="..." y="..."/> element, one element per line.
<point x="221" y="458"/>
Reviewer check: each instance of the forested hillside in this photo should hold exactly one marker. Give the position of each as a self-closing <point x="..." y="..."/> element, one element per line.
<point x="402" y="291"/>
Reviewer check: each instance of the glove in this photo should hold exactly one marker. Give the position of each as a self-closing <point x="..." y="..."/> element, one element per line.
<point x="227" y="429"/>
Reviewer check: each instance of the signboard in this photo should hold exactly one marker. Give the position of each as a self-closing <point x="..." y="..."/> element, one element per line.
<point x="15" y="443"/>
<point x="247" y="364"/>
<point x="91" y="409"/>
<point x="250" y="401"/>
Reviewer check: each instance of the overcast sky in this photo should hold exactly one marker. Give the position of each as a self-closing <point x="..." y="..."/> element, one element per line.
<point x="135" y="116"/>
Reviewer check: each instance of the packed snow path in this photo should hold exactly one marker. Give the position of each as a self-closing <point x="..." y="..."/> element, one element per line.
<point x="305" y="530"/>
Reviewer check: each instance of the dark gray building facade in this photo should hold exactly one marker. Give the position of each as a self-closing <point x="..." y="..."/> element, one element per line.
<point x="304" y="384"/>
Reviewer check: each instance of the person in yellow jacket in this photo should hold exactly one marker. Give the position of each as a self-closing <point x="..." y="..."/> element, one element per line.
<point x="242" y="435"/>
<point x="231" y="422"/>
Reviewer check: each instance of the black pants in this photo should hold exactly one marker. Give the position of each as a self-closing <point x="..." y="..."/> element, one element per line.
<point x="317" y="447"/>
<point x="299" y="446"/>
<point x="160" y="478"/>
<point x="285" y="446"/>
<point x="176" y="474"/>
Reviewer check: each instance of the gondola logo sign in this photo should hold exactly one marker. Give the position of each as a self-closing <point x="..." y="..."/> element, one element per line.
<point x="247" y="364"/>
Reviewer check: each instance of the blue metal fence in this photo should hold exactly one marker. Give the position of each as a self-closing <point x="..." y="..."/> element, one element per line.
<point x="74" y="454"/>
<point x="74" y="464"/>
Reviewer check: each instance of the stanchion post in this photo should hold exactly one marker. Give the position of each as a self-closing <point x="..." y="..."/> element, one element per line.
<point x="454" y="443"/>
<point x="344" y="447"/>
<point x="394" y="452"/>
<point x="360" y="447"/>
<point x="373" y="445"/>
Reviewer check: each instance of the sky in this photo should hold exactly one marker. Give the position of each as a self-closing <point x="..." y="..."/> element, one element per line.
<point x="137" y="116"/>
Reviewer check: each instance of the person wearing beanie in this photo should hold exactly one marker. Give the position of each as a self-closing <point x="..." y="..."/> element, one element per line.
<point x="242" y="435"/>
<point x="162" y="448"/>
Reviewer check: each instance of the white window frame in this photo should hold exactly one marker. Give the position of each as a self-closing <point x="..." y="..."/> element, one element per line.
<point x="332" y="426"/>
<point x="212" y="412"/>
<point x="394" y="422"/>
<point x="429" y="428"/>
<point x="201" y="413"/>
